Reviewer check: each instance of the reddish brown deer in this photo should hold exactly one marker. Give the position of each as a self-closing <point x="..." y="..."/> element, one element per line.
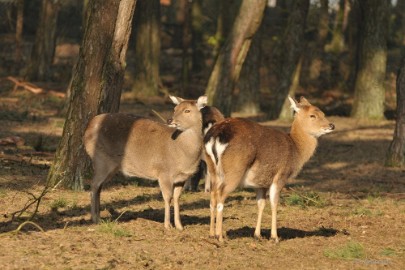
<point x="243" y="153"/>
<point x="210" y="116"/>
<point x="144" y="148"/>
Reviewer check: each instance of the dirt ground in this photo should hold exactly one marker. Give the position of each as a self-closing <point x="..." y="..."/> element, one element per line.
<point x="345" y="210"/>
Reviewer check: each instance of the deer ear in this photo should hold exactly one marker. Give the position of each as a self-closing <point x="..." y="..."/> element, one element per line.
<point x="304" y="102"/>
<point x="202" y="102"/>
<point x="294" y="104"/>
<point x="176" y="100"/>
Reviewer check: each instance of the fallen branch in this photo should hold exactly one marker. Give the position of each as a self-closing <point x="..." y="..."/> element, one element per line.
<point x="22" y="225"/>
<point x="26" y="85"/>
<point x="33" y="88"/>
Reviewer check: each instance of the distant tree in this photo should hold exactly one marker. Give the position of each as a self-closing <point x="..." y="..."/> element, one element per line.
<point x="19" y="31"/>
<point x="289" y="55"/>
<point x="147" y="48"/>
<point x="228" y="10"/>
<point x="96" y="85"/>
<point x="232" y="55"/>
<point x="197" y="36"/>
<point x="45" y="42"/>
<point x="369" y="89"/>
<point x="396" y="150"/>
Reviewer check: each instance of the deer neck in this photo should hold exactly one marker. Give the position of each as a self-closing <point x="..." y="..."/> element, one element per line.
<point x="190" y="140"/>
<point x="305" y="143"/>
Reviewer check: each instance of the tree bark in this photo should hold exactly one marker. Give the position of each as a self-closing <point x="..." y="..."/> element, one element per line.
<point x="232" y="55"/>
<point x="44" y="47"/>
<point x="96" y="85"/>
<point x="290" y="53"/>
<point x="147" y="48"/>
<point x="369" y="90"/>
<point x="248" y="86"/>
<point x="396" y="150"/>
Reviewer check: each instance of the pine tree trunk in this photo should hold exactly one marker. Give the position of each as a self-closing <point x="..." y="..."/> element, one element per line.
<point x="96" y="85"/>
<point x="147" y="48"/>
<point x="232" y="55"/>
<point x="396" y="150"/>
<point x="44" y="47"/>
<point x="369" y="87"/>
<point x="290" y="53"/>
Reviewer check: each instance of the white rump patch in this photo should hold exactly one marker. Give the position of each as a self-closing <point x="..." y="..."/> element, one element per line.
<point x="220" y="207"/>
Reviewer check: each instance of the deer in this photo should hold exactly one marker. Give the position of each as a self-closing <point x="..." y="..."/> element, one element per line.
<point x="137" y="146"/>
<point x="210" y="116"/>
<point x="242" y="153"/>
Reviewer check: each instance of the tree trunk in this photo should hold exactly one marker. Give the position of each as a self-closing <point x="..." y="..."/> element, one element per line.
<point x="248" y="86"/>
<point x="147" y="48"/>
<point x="232" y="55"/>
<point x="317" y="55"/>
<point x="396" y="150"/>
<point x="228" y="10"/>
<point x="44" y="47"/>
<point x="186" y="45"/>
<point x="197" y="36"/>
<point x="18" y="32"/>
<point x="286" y="112"/>
<point x="96" y="85"/>
<point x="369" y="87"/>
<point x="290" y="53"/>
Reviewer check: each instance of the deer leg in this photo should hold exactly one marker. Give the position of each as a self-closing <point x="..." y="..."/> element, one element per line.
<point x="101" y="175"/>
<point x="176" y="195"/>
<point x="261" y="203"/>
<point x="274" y="197"/>
<point x="213" y="207"/>
<point x="167" y="192"/>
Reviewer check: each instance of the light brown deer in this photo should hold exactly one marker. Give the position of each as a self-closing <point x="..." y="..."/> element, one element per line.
<point x="141" y="147"/>
<point x="243" y="153"/>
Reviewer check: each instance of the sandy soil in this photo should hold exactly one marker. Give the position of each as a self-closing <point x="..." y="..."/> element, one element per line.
<point x="351" y="214"/>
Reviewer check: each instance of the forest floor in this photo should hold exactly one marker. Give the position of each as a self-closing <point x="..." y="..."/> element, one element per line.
<point x="345" y="210"/>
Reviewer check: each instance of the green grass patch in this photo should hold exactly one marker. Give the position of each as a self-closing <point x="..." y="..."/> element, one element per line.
<point x="388" y="252"/>
<point x="3" y="193"/>
<point x="352" y="250"/>
<point x="305" y="199"/>
<point x="113" y="228"/>
<point x="59" y="203"/>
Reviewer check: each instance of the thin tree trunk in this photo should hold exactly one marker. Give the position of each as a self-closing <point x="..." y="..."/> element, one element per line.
<point x="147" y="48"/>
<point x="19" y="31"/>
<point x="96" y="85"/>
<point x="369" y="88"/>
<point x="44" y="46"/>
<point x="197" y="31"/>
<point x="230" y="60"/>
<point x="286" y="112"/>
<point x="396" y="150"/>
<point x="291" y="49"/>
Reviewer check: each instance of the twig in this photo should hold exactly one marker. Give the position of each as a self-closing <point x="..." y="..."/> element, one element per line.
<point x="160" y="116"/>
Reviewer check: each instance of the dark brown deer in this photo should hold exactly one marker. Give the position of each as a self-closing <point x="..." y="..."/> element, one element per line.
<point x="141" y="147"/>
<point x="243" y="153"/>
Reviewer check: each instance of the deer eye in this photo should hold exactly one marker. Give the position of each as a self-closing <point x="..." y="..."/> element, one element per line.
<point x="187" y="111"/>
<point x="312" y="116"/>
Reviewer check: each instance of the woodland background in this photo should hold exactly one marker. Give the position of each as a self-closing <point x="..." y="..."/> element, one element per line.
<point x="64" y="61"/>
